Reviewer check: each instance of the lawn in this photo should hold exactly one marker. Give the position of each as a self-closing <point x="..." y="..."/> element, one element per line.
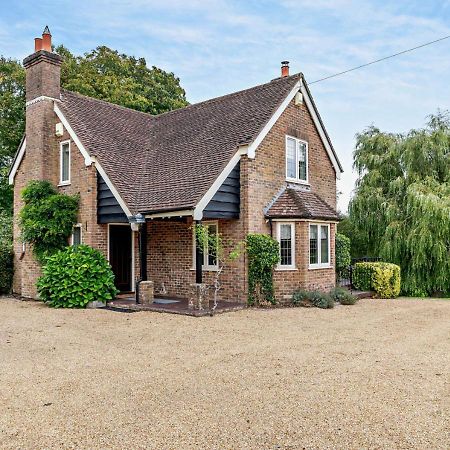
<point x="374" y="375"/>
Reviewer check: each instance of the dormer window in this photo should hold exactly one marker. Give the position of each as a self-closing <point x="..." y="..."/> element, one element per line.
<point x="64" y="163"/>
<point x="296" y="160"/>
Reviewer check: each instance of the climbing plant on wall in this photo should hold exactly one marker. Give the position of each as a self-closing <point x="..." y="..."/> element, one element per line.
<point x="47" y="218"/>
<point x="263" y="255"/>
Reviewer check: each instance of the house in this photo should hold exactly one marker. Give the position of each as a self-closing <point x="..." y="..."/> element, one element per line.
<point x="258" y="160"/>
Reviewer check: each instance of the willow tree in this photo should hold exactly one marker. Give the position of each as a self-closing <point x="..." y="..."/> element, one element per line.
<point x="401" y="206"/>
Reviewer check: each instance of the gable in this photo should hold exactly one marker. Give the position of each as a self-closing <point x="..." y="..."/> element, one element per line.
<point x="108" y="208"/>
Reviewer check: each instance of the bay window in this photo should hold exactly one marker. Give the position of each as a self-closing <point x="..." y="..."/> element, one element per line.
<point x="286" y="239"/>
<point x="319" y="245"/>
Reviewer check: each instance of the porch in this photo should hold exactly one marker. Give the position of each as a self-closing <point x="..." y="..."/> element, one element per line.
<point x="171" y="305"/>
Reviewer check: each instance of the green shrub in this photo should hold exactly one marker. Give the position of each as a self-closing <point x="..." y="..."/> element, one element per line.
<point x="6" y="255"/>
<point x="343" y="259"/>
<point x="343" y="296"/>
<point x="312" y="298"/>
<point x="75" y="276"/>
<point x="383" y="278"/>
<point x="263" y="256"/>
<point x="47" y="218"/>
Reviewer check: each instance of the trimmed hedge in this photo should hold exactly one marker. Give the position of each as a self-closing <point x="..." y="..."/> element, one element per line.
<point x="75" y="276"/>
<point x="381" y="277"/>
<point x="343" y="258"/>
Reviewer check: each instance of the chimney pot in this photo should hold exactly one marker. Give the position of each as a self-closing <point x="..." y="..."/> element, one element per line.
<point x="37" y="44"/>
<point x="46" y="40"/>
<point x="284" y="68"/>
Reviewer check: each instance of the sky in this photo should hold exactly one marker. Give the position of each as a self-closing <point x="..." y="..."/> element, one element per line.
<point x="216" y="47"/>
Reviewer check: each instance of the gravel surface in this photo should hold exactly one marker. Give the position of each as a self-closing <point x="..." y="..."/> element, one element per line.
<point x="374" y="375"/>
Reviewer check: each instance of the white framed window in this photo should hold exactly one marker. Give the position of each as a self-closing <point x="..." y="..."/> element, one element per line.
<point x="296" y="160"/>
<point x="319" y="245"/>
<point x="77" y="232"/>
<point x="64" y="163"/>
<point x="210" y="261"/>
<point x="286" y="239"/>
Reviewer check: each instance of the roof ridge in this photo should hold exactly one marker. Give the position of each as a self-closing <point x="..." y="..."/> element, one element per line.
<point x="221" y="97"/>
<point x="115" y="105"/>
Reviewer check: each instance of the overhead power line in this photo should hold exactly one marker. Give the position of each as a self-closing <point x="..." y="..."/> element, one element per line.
<point x="381" y="59"/>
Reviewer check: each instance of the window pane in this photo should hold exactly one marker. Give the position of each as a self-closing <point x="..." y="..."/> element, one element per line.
<point x="211" y="245"/>
<point x="290" y="159"/>
<point x="65" y="162"/>
<point x="285" y="245"/>
<point x="302" y="161"/>
<point x="313" y="253"/>
<point x="324" y="256"/>
<point x="76" y="237"/>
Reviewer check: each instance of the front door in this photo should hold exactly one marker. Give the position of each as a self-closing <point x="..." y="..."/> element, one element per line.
<point x="120" y="256"/>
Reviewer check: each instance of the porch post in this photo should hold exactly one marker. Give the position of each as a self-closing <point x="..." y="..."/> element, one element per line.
<point x="198" y="257"/>
<point x="143" y="251"/>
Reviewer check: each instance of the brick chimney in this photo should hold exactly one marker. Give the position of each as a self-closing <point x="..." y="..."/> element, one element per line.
<point x="43" y="78"/>
<point x="284" y="68"/>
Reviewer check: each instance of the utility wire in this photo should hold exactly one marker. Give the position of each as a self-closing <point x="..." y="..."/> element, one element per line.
<point x="379" y="60"/>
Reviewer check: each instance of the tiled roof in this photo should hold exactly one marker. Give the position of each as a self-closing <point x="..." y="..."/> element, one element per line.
<point x="300" y="204"/>
<point x="168" y="162"/>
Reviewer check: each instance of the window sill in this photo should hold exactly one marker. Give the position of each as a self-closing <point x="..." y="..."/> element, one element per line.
<point x="328" y="266"/>
<point x="205" y="269"/>
<point x="285" y="269"/>
<point x="64" y="183"/>
<point x="297" y="181"/>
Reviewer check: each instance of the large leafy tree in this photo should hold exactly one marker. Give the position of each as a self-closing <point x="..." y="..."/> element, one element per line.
<point x="401" y="208"/>
<point x="103" y="73"/>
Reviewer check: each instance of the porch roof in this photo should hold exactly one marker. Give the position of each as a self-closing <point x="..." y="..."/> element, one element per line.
<point x="300" y="204"/>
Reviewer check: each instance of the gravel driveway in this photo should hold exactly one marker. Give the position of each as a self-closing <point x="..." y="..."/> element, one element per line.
<point x="374" y="375"/>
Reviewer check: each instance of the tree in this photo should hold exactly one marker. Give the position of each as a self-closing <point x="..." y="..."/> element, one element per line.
<point x="102" y="73"/>
<point x="401" y="208"/>
<point x="12" y="122"/>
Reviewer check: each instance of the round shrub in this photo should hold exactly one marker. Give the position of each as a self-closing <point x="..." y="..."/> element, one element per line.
<point x="75" y="276"/>
<point x="343" y="296"/>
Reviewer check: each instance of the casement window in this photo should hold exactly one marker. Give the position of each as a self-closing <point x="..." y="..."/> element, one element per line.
<point x="64" y="163"/>
<point x="210" y="261"/>
<point x="319" y="245"/>
<point x="296" y="160"/>
<point x="76" y="235"/>
<point x="286" y="239"/>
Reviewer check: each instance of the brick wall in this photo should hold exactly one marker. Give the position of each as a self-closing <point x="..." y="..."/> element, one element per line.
<point x="263" y="177"/>
<point x="45" y="165"/>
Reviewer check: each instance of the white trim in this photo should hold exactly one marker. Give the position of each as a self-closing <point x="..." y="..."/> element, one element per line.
<point x="254" y="145"/>
<point x="321" y="131"/>
<point x="205" y="267"/>
<point x="61" y="181"/>
<point x="17" y="162"/>
<point x="40" y="99"/>
<point x="80" y="226"/>
<point x="111" y="187"/>
<point x="201" y="205"/>
<point x="297" y="178"/>
<point x="180" y="213"/>
<point x="325" y="222"/>
<point x="291" y="266"/>
<point x="133" y="237"/>
<point x="87" y="158"/>
<point x="319" y="264"/>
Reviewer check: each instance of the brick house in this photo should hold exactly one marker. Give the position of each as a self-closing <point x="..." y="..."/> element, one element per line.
<point x="258" y="160"/>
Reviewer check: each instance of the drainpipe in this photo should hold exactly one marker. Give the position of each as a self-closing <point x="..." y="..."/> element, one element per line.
<point x="198" y="257"/>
